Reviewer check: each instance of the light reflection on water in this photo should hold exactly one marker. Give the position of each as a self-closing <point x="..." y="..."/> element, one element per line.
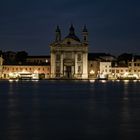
<point x="82" y="110"/>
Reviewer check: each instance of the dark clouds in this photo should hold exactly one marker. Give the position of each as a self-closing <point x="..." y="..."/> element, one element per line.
<point x="29" y="25"/>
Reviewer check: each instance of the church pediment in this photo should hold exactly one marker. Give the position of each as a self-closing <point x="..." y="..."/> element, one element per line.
<point x="70" y="41"/>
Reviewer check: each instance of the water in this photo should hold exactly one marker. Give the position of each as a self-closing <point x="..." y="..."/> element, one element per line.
<point x="69" y="110"/>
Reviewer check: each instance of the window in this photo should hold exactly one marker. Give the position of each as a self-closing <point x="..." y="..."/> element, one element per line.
<point x="79" y="57"/>
<point x="117" y="71"/>
<point x="113" y="71"/>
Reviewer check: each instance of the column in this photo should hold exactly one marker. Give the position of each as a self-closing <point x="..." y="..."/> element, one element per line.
<point x="85" y="66"/>
<point x="62" y="71"/>
<point x="53" y="65"/>
<point x="76" y="69"/>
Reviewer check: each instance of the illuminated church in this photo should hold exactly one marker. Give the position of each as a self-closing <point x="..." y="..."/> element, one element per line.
<point x="69" y="56"/>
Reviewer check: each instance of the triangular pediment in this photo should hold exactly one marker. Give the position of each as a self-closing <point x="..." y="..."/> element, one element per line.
<point x="70" y="41"/>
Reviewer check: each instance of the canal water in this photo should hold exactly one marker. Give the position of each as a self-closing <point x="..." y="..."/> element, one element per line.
<point x="70" y="110"/>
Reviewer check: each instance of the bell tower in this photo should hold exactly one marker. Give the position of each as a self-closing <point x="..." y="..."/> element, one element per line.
<point x="85" y="35"/>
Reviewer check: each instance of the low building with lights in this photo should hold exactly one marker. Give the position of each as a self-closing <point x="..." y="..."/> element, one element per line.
<point x="34" y="71"/>
<point x="119" y="72"/>
<point x="99" y="65"/>
<point x="134" y="67"/>
<point x="69" y="56"/>
<point x="34" y="67"/>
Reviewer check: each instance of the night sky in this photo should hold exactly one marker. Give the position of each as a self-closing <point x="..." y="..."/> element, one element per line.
<point x="114" y="26"/>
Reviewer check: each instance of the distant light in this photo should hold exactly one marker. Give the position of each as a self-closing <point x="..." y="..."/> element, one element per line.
<point x="47" y="61"/>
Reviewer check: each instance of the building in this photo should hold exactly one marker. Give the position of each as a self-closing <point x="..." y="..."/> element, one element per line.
<point x="93" y="66"/>
<point x="118" y="72"/>
<point x="99" y="64"/>
<point x="69" y="56"/>
<point x="105" y="69"/>
<point x="38" y="60"/>
<point x="15" y="71"/>
<point x="1" y="66"/>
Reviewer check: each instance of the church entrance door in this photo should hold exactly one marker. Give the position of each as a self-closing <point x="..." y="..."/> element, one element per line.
<point x="68" y="72"/>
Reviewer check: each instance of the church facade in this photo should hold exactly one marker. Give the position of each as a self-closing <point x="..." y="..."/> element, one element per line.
<point x="69" y="56"/>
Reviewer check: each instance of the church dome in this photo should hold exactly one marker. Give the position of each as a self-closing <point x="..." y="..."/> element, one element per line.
<point x="72" y="34"/>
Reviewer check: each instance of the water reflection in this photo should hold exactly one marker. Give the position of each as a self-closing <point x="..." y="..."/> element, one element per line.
<point x="103" y="81"/>
<point x="126" y="81"/>
<point x="91" y="81"/>
<point x="11" y="88"/>
<point x="70" y="110"/>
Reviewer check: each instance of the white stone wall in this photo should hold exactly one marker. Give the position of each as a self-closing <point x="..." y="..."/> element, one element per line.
<point x="85" y="66"/>
<point x="105" y="68"/>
